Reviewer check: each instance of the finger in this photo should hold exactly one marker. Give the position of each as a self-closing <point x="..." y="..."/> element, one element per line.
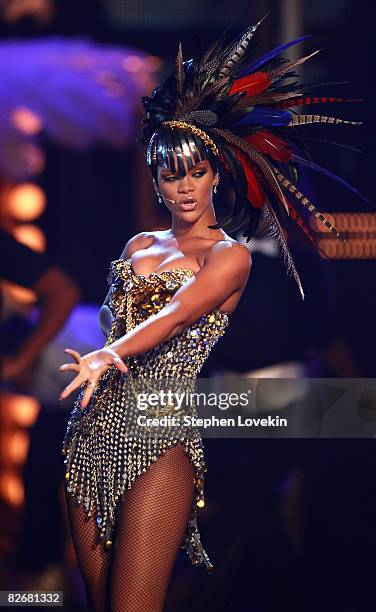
<point x="120" y="365"/>
<point x="74" y="367"/>
<point x="75" y="354"/>
<point x="87" y="395"/>
<point x="75" y="384"/>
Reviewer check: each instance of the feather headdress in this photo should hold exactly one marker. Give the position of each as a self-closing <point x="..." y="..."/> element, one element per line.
<point x="229" y="106"/>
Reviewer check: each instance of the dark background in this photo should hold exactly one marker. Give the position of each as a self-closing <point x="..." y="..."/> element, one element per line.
<point x="92" y="195"/>
<point x="91" y="214"/>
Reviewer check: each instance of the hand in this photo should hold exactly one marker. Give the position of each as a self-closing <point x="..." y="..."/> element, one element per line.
<point x="89" y="369"/>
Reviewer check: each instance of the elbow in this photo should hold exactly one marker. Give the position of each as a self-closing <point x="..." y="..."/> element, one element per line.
<point x="73" y="294"/>
<point x="68" y="294"/>
<point x="177" y="320"/>
<point x="58" y="288"/>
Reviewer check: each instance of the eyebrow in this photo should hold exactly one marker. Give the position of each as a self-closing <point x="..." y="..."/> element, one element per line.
<point x="196" y="168"/>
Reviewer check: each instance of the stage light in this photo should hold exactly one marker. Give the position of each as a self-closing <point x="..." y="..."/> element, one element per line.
<point x="358" y="231"/>
<point x="133" y="63"/>
<point x="20" y="410"/>
<point x="347" y="222"/>
<point x="25" y="202"/>
<point x="15" y="447"/>
<point x="26" y="121"/>
<point x="351" y="249"/>
<point x="11" y="489"/>
<point x="318" y="226"/>
<point x="32" y="236"/>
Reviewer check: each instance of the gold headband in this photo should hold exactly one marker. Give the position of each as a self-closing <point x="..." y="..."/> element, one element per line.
<point x="192" y="129"/>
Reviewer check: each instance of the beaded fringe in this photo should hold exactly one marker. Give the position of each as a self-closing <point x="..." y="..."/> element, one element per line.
<point x="103" y="459"/>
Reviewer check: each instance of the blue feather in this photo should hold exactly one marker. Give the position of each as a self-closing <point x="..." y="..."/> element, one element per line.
<point x="268" y="56"/>
<point x="306" y="162"/>
<point x="265" y="117"/>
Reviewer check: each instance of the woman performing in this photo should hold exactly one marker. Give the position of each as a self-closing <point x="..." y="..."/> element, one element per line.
<point x="133" y="492"/>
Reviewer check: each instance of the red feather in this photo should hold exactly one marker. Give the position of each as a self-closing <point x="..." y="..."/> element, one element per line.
<point x="312" y="100"/>
<point x="255" y="193"/>
<point x="270" y="144"/>
<point x="252" y="84"/>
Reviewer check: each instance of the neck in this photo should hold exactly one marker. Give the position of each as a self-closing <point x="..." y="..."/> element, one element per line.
<point x="188" y="229"/>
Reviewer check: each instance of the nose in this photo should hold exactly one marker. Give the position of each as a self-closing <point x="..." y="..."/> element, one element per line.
<point x="185" y="184"/>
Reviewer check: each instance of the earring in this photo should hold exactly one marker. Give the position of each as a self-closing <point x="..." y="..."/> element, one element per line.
<point x="215" y="189"/>
<point x="159" y="198"/>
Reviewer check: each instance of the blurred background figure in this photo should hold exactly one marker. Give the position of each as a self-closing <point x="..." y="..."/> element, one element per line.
<point x="43" y="543"/>
<point x="22" y="266"/>
<point x="289" y="521"/>
<point x="25" y="335"/>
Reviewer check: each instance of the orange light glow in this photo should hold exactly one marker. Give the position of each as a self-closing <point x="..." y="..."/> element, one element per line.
<point x="25" y="201"/>
<point x="26" y="121"/>
<point x="11" y="489"/>
<point x="318" y="226"/>
<point x="20" y="410"/>
<point x="351" y="249"/>
<point x="32" y="236"/>
<point x="358" y="231"/>
<point x="15" y="447"/>
<point x="153" y="63"/>
<point x="347" y="222"/>
<point x="18" y="294"/>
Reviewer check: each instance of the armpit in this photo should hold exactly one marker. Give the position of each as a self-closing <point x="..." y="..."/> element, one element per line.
<point x="105" y="320"/>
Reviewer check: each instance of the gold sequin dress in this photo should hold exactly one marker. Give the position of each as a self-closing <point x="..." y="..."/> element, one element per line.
<point x="104" y="447"/>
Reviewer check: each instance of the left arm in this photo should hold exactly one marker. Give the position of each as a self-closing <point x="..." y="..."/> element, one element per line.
<point x="225" y="272"/>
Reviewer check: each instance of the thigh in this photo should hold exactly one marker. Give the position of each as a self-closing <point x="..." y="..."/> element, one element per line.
<point x="150" y="526"/>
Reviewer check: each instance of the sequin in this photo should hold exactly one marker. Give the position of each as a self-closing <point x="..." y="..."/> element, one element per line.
<point x="105" y="448"/>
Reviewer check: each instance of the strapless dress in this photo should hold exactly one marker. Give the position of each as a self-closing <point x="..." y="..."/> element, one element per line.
<point x="105" y="447"/>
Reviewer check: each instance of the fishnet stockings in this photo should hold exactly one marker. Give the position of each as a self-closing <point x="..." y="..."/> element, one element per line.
<point x="150" y="523"/>
<point x="93" y="559"/>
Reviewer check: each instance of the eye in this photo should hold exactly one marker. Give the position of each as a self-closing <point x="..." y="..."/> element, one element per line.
<point x="170" y="179"/>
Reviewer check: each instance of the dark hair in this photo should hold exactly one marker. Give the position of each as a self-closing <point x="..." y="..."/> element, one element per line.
<point x="165" y="142"/>
<point x="160" y="151"/>
<point x="161" y="142"/>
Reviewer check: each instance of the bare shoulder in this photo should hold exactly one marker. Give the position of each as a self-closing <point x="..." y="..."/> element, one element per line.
<point x="230" y="254"/>
<point x="142" y="240"/>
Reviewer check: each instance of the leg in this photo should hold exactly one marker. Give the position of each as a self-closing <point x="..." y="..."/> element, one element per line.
<point x="151" y="521"/>
<point x="93" y="559"/>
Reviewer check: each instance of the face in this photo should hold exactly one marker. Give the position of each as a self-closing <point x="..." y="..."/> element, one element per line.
<point x="191" y="194"/>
